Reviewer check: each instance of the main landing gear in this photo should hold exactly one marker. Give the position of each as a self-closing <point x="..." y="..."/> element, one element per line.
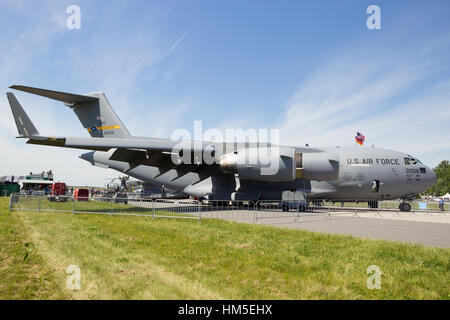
<point x="373" y="204"/>
<point x="405" y="207"/>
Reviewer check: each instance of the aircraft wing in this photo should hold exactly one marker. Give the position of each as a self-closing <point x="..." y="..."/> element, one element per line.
<point x="105" y="144"/>
<point x="126" y="148"/>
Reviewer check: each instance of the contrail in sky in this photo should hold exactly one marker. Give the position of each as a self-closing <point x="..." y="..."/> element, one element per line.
<point x="179" y="40"/>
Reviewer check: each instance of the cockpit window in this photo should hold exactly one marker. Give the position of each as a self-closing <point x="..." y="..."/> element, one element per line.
<point x="423" y="170"/>
<point x="411" y="161"/>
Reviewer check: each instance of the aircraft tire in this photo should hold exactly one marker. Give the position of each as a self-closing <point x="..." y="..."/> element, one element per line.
<point x="405" y="207"/>
<point x="223" y="203"/>
<point x="373" y="204"/>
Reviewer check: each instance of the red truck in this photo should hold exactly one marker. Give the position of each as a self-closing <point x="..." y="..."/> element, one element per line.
<point x="81" y="195"/>
<point x="58" y="192"/>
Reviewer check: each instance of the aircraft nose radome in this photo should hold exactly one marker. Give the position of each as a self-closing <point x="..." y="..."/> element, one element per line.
<point x="429" y="179"/>
<point x="88" y="156"/>
<point x="433" y="177"/>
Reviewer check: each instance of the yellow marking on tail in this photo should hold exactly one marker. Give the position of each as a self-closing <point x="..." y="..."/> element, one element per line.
<point x="104" y="128"/>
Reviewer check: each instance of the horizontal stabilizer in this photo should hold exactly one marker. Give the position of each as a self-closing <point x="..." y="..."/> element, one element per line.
<point x="24" y="125"/>
<point x="69" y="98"/>
<point x="92" y="109"/>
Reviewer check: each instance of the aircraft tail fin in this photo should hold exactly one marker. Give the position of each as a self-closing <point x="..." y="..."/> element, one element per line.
<point x="24" y="125"/>
<point x="93" y="110"/>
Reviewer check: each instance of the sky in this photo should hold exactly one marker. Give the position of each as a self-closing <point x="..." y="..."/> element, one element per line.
<point x="311" y="69"/>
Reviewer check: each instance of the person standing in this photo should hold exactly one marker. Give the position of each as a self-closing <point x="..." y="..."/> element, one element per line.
<point x="441" y="204"/>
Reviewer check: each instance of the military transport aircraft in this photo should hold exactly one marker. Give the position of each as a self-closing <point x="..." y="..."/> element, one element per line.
<point x="237" y="172"/>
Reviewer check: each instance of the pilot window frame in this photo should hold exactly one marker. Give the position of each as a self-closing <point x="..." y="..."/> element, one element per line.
<point x="411" y="161"/>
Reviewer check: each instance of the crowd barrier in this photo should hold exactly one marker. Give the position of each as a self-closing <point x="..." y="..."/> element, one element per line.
<point x="248" y="211"/>
<point x="160" y="208"/>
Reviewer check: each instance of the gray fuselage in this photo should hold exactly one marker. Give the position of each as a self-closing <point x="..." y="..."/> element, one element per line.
<point x="364" y="174"/>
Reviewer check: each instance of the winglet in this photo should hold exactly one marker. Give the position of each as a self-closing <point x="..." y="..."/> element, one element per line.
<point x="25" y="127"/>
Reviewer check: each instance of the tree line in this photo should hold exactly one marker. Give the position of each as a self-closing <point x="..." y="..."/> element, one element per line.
<point x="442" y="185"/>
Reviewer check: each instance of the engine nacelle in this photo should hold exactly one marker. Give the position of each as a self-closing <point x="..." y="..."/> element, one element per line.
<point x="261" y="164"/>
<point x="280" y="165"/>
<point x="320" y="166"/>
<point x="113" y="186"/>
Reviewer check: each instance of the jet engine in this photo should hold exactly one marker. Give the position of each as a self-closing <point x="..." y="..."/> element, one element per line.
<point x="113" y="186"/>
<point x="280" y="164"/>
<point x="320" y="166"/>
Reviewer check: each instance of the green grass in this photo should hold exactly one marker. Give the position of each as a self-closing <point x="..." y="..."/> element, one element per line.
<point x="24" y="274"/>
<point x="44" y="204"/>
<point x="139" y="258"/>
<point x="99" y="207"/>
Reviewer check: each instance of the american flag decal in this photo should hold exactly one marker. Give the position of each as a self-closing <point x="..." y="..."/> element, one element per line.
<point x="360" y="138"/>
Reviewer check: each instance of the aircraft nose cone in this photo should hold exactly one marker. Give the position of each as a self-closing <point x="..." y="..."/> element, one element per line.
<point x="88" y="156"/>
<point x="433" y="177"/>
<point x="429" y="179"/>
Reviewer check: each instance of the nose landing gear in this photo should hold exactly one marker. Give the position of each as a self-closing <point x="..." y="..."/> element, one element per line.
<point x="405" y="206"/>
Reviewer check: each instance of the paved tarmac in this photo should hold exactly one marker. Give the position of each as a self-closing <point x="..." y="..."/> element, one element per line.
<point x="424" y="232"/>
<point x="426" y="228"/>
<point x="429" y="229"/>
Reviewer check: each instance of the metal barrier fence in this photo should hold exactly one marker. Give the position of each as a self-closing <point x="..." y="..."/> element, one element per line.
<point x="181" y="209"/>
<point x="246" y="211"/>
<point x="331" y="209"/>
<point x="228" y="210"/>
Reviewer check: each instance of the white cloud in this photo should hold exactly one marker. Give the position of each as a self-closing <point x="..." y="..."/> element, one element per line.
<point x="25" y="43"/>
<point x="396" y="105"/>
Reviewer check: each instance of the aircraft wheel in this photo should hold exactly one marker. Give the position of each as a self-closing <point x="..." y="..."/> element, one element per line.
<point x="404" y="206"/>
<point x="238" y="204"/>
<point x="301" y="208"/>
<point x="285" y="207"/>
<point x="223" y="203"/>
<point x="373" y="204"/>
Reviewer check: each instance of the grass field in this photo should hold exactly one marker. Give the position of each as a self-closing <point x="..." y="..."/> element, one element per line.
<point x="139" y="258"/>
